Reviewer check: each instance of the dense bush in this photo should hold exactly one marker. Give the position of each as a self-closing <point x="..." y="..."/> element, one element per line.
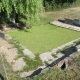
<point x="57" y="4"/>
<point x="15" y="8"/>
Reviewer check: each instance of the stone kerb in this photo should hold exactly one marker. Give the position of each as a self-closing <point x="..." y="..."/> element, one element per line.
<point x="29" y="54"/>
<point x="57" y="23"/>
<point x="49" y="57"/>
<point x="78" y="47"/>
<point x="46" y="57"/>
<point x="63" y="46"/>
<point x="18" y="65"/>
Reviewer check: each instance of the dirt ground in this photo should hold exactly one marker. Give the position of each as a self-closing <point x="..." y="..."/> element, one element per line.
<point x="71" y="13"/>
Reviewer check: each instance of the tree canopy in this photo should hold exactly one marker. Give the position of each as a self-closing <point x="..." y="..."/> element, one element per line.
<point x="33" y="8"/>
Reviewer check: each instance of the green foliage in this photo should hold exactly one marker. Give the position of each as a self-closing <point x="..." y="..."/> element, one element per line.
<point x="50" y="5"/>
<point x="33" y="8"/>
<point x="57" y="4"/>
<point x="77" y="3"/>
<point x="57" y="74"/>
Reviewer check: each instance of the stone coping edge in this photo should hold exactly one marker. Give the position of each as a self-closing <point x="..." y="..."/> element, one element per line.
<point x="64" y="25"/>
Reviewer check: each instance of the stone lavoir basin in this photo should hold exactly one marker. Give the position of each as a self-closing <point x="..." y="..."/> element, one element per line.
<point x="73" y="24"/>
<point x="64" y="55"/>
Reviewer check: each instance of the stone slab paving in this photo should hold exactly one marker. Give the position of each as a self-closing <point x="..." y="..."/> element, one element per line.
<point x="10" y="53"/>
<point x="46" y="56"/>
<point x="60" y="55"/>
<point x="49" y="58"/>
<point x="28" y="53"/>
<point x="18" y="65"/>
<point x="5" y="44"/>
<point x="57" y="23"/>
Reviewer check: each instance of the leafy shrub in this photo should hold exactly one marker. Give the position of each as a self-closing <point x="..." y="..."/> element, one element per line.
<point x="57" y="4"/>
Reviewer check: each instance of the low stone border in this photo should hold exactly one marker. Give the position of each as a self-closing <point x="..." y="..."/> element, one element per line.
<point x="65" y="45"/>
<point x="47" y="56"/>
<point x="63" y="25"/>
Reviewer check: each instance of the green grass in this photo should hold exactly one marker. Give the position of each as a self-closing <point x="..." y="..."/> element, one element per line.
<point x="44" y="38"/>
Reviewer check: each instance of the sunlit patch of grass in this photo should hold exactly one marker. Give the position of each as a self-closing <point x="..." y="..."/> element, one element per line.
<point x="44" y="38"/>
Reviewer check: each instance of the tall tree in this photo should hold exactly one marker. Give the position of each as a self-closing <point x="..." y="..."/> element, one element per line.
<point x="14" y="8"/>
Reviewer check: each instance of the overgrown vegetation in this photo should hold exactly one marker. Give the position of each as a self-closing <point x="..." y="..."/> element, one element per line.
<point x="16" y="8"/>
<point x="52" y="74"/>
<point x="31" y="11"/>
<point x="58" y="74"/>
<point x="59" y="4"/>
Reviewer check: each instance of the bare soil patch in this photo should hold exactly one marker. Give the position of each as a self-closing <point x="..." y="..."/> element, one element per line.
<point x="72" y="13"/>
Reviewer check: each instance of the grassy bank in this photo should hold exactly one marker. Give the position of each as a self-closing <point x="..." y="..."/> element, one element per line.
<point x="60" y="4"/>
